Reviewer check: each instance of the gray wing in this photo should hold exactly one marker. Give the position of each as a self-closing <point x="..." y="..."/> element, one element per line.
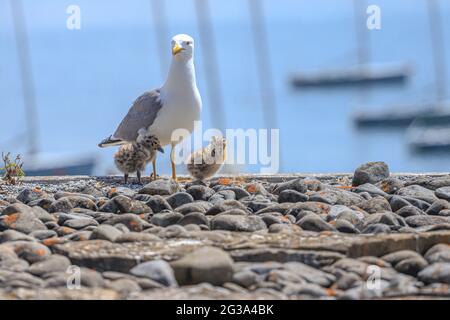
<point x="142" y="114"/>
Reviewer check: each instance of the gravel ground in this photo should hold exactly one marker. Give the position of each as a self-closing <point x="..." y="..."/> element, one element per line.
<point x="366" y="235"/>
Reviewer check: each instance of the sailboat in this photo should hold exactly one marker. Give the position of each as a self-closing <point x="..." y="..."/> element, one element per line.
<point x="427" y="113"/>
<point x="35" y="162"/>
<point x="361" y="74"/>
<point x="430" y="132"/>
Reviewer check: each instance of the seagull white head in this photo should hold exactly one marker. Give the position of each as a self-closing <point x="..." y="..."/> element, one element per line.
<point x="182" y="47"/>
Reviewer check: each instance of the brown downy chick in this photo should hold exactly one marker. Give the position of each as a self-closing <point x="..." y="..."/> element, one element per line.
<point x="206" y="162"/>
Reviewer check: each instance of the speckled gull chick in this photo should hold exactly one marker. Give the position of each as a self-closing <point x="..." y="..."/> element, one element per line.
<point x="176" y="105"/>
<point x="134" y="157"/>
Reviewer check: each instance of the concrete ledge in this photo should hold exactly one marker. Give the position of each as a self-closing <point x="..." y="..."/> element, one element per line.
<point x="248" y="176"/>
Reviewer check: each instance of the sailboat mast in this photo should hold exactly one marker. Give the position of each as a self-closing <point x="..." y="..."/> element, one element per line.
<point x="158" y="12"/>
<point x="210" y="62"/>
<point x="261" y="45"/>
<point x="29" y="96"/>
<point x="437" y="44"/>
<point x="362" y="37"/>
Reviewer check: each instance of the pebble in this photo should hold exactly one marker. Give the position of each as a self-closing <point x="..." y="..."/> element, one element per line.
<point x="192" y="207"/>
<point x="224" y="206"/>
<point x="200" y="192"/>
<point x="438" y="206"/>
<point x="173" y="232"/>
<point x="124" y="286"/>
<point x="238" y="223"/>
<point x="239" y="192"/>
<point x="256" y="202"/>
<point x="127" y="205"/>
<point x="91" y="278"/>
<point x="157" y="270"/>
<point x="27" y="195"/>
<point x="178" y="199"/>
<point x="157" y="204"/>
<point x="371" y="172"/>
<point x="130" y="220"/>
<point x="314" y="223"/>
<point x="109" y="206"/>
<point x="81" y="202"/>
<point x="438" y="272"/>
<point x="337" y="196"/>
<point x="369" y="188"/>
<point x="160" y="187"/>
<point x="193" y="218"/>
<point x="61" y="205"/>
<point x="165" y="219"/>
<point x="347" y="280"/>
<point x="386" y="218"/>
<point x="271" y="218"/>
<point x="310" y="274"/>
<point x="417" y="192"/>
<point x="42" y="215"/>
<point x="344" y="226"/>
<point x="54" y="263"/>
<point x="305" y="289"/>
<point x="282" y="208"/>
<point x="135" y="237"/>
<point x="207" y="264"/>
<point x="425" y="220"/>
<point x="106" y="232"/>
<point x="245" y="278"/>
<point x="80" y="223"/>
<point x="43" y="234"/>
<point x="438" y="253"/>
<point x="292" y="196"/>
<point x="431" y="183"/>
<point x="443" y="193"/>
<point x="20" y="218"/>
<point x="376" y="204"/>
<point x="376" y="228"/>
<point x="13" y="235"/>
<point x="408" y="211"/>
<point x="411" y="266"/>
<point x="30" y="251"/>
<point x="296" y="185"/>
<point x="390" y="185"/>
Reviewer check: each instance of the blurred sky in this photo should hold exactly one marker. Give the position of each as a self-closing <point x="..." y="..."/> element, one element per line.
<point x="86" y="79"/>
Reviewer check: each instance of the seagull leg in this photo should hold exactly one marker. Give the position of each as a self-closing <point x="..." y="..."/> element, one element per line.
<point x="172" y="160"/>
<point x="154" y="168"/>
<point x="125" y="178"/>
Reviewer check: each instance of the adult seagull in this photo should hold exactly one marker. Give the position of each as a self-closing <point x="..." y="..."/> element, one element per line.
<point x="175" y="105"/>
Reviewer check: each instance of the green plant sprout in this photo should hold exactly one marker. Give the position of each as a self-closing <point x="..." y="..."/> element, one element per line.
<point x="12" y="170"/>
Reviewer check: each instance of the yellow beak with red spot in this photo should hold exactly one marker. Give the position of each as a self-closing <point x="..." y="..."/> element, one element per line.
<point x="177" y="49"/>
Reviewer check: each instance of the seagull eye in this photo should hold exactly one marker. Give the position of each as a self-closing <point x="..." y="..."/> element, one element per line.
<point x="188" y="43"/>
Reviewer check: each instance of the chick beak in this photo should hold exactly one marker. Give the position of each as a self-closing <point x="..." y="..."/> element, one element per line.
<point x="177" y="49"/>
<point x="160" y="149"/>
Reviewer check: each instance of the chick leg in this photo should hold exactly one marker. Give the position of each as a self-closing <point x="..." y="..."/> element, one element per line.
<point x="172" y="160"/>
<point x="125" y="178"/>
<point x="154" y="168"/>
<point x="138" y="174"/>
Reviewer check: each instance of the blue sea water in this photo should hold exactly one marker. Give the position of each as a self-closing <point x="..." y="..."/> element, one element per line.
<point x="85" y="80"/>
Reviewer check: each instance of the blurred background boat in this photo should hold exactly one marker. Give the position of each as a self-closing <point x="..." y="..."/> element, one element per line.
<point x="430" y="132"/>
<point x="38" y="164"/>
<point x="364" y="75"/>
<point x="83" y="81"/>
<point x="428" y="113"/>
<point x="364" y="72"/>
<point x="396" y="116"/>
